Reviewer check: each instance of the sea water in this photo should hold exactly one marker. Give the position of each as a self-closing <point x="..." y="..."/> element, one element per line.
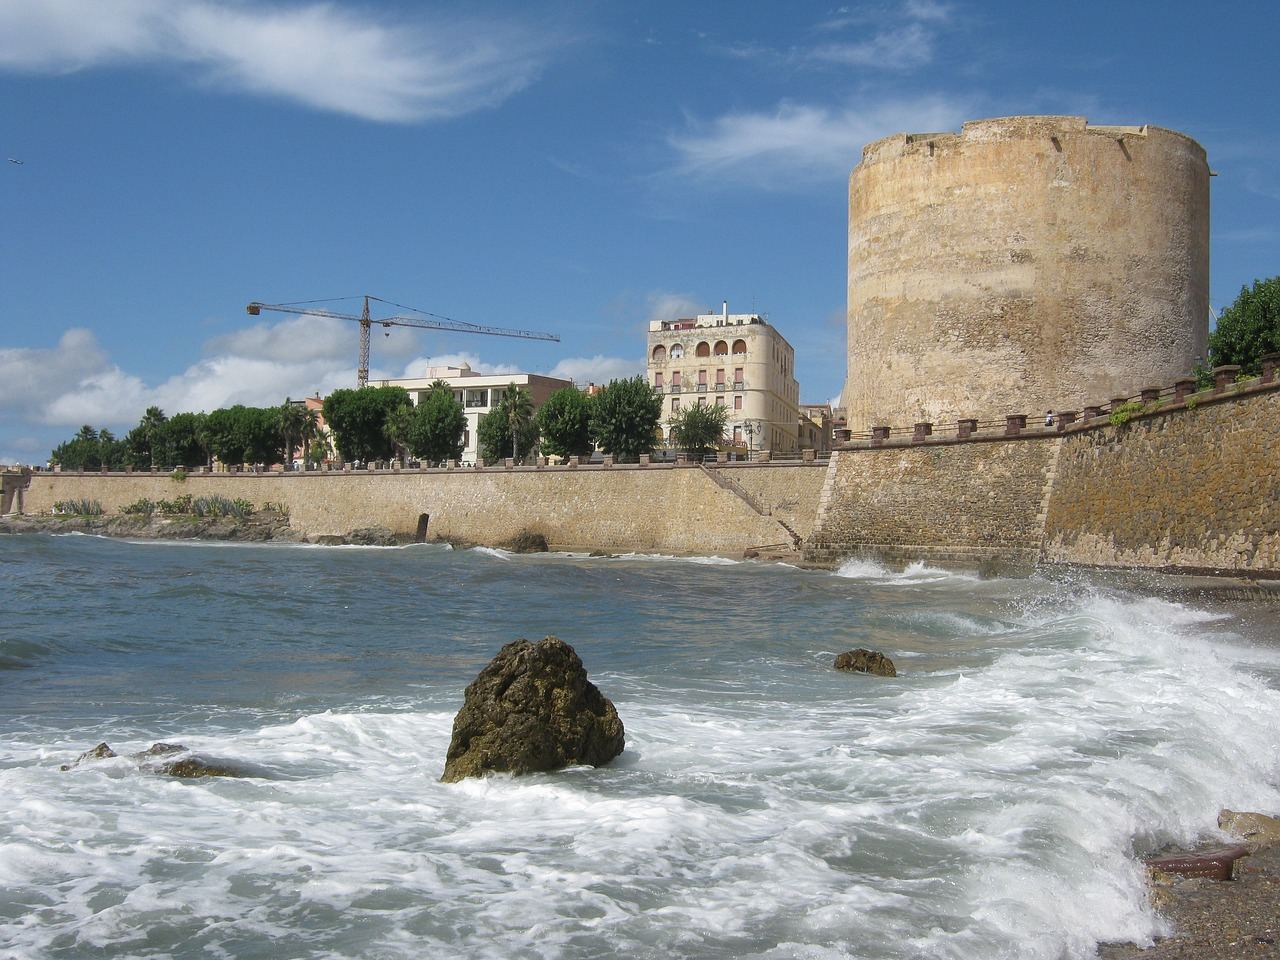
<point x="993" y="800"/>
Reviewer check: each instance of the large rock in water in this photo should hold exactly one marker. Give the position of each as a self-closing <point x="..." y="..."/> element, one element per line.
<point x="532" y="709"/>
<point x="866" y="661"/>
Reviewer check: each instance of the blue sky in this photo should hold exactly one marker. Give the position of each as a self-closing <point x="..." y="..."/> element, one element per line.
<point x="575" y="168"/>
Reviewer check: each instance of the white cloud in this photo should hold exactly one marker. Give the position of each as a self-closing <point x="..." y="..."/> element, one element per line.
<point x="317" y="54"/>
<point x="597" y="369"/>
<point x="418" y="367"/>
<point x="666" y="305"/>
<point x="800" y="142"/>
<point x="927" y="10"/>
<point x="902" y="49"/>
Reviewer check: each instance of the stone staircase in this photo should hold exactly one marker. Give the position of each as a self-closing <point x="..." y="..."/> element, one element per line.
<point x="793" y="541"/>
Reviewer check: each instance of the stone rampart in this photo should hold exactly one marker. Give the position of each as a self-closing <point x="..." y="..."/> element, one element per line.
<point x="1192" y="490"/>
<point x="1173" y="479"/>
<point x="658" y="508"/>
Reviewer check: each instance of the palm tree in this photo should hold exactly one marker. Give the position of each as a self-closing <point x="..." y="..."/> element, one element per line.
<point x="151" y="424"/>
<point x="309" y="432"/>
<point x="519" y="410"/>
<point x="289" y="421"/>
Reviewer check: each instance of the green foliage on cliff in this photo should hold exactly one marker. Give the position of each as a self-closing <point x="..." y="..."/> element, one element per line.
<point x="508" y="429"/>
<point x="1249" y="328"/>
<point x="565" y="424"/>
<point x="437" y="425"/>
<point x="358" y="419"/>
<point x="698" y="430"/>
<point x="625" y="417"/>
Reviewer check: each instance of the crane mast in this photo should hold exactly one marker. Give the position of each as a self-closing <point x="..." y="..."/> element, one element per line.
<point x="366" y="324"/>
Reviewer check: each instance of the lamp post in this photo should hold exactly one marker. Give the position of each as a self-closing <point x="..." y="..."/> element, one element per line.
<point x="750" y="427"/>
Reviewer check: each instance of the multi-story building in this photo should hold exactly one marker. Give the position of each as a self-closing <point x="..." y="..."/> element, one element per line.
<point x="815" y="427"/>
<point x="478" y="393"/>
<point x="734" y="360"/>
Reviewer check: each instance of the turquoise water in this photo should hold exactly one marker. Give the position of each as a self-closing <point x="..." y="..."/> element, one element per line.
<point x="989" y="802"/>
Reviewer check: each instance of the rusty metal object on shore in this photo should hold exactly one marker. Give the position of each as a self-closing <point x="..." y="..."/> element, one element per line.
<point x="1216" y="863"/>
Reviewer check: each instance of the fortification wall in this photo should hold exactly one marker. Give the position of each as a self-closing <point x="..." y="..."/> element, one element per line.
<point x="662" y="509"/>
<point x="1020" y="265"/>
<point x="1191" y="489"/>
<point x="963" y="502"/>
<point x="788" y="493"/>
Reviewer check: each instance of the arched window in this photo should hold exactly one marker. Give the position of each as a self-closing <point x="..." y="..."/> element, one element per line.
<point x="739" y="346"/>
<point x="704" y="349"/>
<point x="677" y="351"/>
<point x="659" y="353"/>
<point x="721" y="348"/>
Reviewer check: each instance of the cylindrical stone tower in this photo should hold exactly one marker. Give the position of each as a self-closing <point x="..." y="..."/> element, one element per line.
<point x="1022" y="265"/>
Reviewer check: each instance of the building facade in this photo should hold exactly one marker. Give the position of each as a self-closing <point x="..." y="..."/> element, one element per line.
<point x="1021" y="265"/>
<point x="478" y="393"/>
<point x="737" y="361"/>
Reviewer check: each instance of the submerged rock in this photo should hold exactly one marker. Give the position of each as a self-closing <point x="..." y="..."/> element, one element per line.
<point x="866" y="661"/>
<point x="1257" y="830"/>
<point x="532" y="709"/>
<point x="100" y="752"/>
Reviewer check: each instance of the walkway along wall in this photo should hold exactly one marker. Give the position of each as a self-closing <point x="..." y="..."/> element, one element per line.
<point x="1191" y="486"/>
<point x="658" y="508"/>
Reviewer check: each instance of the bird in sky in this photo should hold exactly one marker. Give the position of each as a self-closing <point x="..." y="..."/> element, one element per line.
<point x="18" y="162"/>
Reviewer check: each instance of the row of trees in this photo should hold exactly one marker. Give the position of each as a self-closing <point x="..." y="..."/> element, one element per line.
<point x="236" y="434"/>
<point x="381" y="423"/>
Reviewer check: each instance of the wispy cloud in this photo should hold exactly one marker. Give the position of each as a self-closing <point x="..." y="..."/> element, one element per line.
<point x="796" y="143"/>
<point x="597" y="369"/>
<point x="317" y="54"/>
<point x="901" y="49"/>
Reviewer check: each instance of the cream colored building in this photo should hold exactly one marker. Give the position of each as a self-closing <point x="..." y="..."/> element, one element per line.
<point x="478" y="393"/>
<point x="734" y="360"/>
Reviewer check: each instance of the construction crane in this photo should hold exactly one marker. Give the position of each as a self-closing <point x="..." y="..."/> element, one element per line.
<point x="366" y="322"/>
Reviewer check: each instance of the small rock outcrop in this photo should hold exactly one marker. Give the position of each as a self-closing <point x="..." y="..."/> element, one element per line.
<point x="372" y="537"/>
<point x="530" y="710"/>
<point x="1257" y="830"/>
<point x="100" y="752"/>
<point x="152" y="760"/>
<point x="527" y="541"/>
<point x="866" y="661"/>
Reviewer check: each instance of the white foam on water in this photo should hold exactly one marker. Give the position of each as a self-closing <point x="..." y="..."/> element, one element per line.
<point x="997" y="811"/>
<point x="493" y="552"/>
<point x="913" y="574"/>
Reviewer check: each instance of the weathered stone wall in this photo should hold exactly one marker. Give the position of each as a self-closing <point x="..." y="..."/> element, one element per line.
<point x="1190" y="489"/>
<point x="1021" y="265"/>
<point x="660" y="509"/>
<point x="959" y="502"/>
<point x="788" y="493"/>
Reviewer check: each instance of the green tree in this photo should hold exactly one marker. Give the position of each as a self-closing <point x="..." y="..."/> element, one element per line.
<point x="508" y="429"/>
<point x="699" y="429"/>
<point x="146" y="443"/>
<point x="91" y="449"/>
<point x="1249" y="328"/>
<point x="624" y="417"/>
<point x="243" y="434"/>
<point x="564" y="422"/>
<point x="291" y="421"/>
<point x="358" y="419"/>
<point x="398" y="427"/>
<point x="439" y="423"/>
<point x="184" y="443"/>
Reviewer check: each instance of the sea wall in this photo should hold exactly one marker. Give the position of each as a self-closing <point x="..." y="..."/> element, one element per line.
<point x="659" y="508"/>
<point x="1189" y="483"/>
<point x="964" y="502"/>
<point x="1192" y="489"/>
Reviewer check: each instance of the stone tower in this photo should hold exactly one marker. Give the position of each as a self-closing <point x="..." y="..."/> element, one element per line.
<point x="1021" y="265"/>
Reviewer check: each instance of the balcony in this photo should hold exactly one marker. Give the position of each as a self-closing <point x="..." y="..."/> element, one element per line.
<point x="719" y="388"/>
<point x="739" y="385"/>
<point x="675" y="388"/>
<point x="702" y="388"/>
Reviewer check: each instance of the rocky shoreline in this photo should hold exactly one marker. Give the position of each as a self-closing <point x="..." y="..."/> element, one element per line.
<point x="262" y="526"/>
